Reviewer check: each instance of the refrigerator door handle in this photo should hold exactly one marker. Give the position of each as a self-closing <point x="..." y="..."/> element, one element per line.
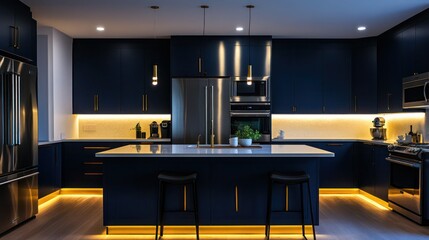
<point x="16" y="179"/>
<point x="205" y="116"/>
<point x="18" y="110"/>
<point x="212" y="110"/>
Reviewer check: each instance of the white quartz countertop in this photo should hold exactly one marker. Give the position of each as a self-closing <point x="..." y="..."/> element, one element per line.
<point x="127" y="140"/>
<point x="186" y="150"/>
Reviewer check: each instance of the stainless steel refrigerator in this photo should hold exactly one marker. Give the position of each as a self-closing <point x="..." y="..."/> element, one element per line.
<point x="18" y="151"/>
<point x="198" y="106"/>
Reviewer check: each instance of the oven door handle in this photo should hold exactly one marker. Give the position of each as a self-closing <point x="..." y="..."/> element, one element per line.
<point x="424" y="91"/>
<point x="408" y="164"/>
<point x="236" y="114"/>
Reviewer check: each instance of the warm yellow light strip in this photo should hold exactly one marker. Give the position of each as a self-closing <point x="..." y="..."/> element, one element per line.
<point x="226" y="230"/>
<point x="49" y="197"/>
<point x="417" y="115"/>
<point x="122" y="116"/>
<point x="338" y="190"/>
<point x="383" y="205"/>
<point x="82" y="191"/>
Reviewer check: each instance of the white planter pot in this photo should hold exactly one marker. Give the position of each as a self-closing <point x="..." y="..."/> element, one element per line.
<point x="245" y="142"/>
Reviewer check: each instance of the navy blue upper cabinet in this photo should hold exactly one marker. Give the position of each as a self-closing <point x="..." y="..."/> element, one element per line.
<point x="220" y="55"/>
<point x="336" y="76"/>
<point x="422" y="45"/>
<point x="17" y="31"/>
<point x="364" y="76"/>
<point x="115" y="76"/>
<point x="389" y="73"/>
<point x="96" y="77"/>
<point x="138" y="94"/>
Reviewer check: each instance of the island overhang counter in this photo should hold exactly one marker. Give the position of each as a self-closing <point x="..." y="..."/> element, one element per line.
<point x="232" y="184"/>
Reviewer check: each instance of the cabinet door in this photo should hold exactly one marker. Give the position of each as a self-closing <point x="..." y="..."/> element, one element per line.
<point x="283" y="75"/>
<point x="367" y="169"/>
<point x="382" y="170"/>
<point x="185" y="52"/>
<point x="260" y="57"/>
<point x="408" y="53"/>
<point x="337" y="172"/>
<point x="364" y="76"/>
<point x="159" y="96"/>
<point x="133" y="77"/>
<point x="49" y="169"/>
<point x="233" y="192"/>
<point x="7" y="20"/>
<point x="336" y="77"/>
<point x="96" y="77"/>
<point x="390" y="74"/>
<point x="26" y="32"/>
<point x="308" y="79"/>
<point x="422" y="45"/>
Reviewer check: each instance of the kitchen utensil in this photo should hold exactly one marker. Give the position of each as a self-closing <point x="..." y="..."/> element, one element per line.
<point x="154" y="130"/>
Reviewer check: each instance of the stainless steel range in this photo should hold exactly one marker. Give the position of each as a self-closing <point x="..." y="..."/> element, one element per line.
<point x="409" y="181"/>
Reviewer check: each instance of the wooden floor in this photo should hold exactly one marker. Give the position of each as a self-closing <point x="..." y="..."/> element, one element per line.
<point x="341" y="217"/>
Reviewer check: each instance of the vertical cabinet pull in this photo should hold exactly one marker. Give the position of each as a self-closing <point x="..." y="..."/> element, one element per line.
<point x="200" y="63"/>
<point x="287" y="199"/>
<point x="324" y="109"/>
<point x="14" y="33"/>
<point x="184" y="199"/>
<point x="388" y="101"/>
<point x="355" y="104"/>
<point x="143" y="103"/>
<point x="17" y="45"/>
<point x="146" y="102"/>
<point x="236" y="198"/>
<point x="96" y="103"/>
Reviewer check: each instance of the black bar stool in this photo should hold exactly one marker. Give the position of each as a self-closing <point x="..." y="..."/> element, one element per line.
<point x="290" y="179"/>
<point x="164" y="178"/>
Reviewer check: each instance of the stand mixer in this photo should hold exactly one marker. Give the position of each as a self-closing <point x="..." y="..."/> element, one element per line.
<point x="378" y="132"/>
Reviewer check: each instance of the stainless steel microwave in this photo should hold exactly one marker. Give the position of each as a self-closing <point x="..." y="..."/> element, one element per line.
<point x="415" y="91"/>
<point x="256" y="90"/>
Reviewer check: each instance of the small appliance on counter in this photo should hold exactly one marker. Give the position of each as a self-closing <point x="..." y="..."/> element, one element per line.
<point x="154" y="130"/>
<point x="166" y="129"/>
<point x="378" y="132"/>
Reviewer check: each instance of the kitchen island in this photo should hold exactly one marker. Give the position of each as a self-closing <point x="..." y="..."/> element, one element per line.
<point x="232" y="183"/>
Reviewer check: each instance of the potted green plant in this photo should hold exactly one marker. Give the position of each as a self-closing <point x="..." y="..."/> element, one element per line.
<point x="246" y="135"/>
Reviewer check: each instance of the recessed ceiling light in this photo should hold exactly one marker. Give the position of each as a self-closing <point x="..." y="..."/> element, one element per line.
<point x="100" y="28"/>
<point x="239" y="29"/>
<point x="361" y="28"/>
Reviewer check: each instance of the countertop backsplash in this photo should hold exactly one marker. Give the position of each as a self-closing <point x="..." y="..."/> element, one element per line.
<point x="116" y="126"/>
<point x="347" y="126"/>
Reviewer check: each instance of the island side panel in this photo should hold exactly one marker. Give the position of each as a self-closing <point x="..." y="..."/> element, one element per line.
<point x="131" y="190"/>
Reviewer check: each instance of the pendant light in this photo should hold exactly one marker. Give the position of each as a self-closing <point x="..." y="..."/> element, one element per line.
<point x="155" y="66"/>
<point x="200" y="67"/>
<point x="249" y="66"/>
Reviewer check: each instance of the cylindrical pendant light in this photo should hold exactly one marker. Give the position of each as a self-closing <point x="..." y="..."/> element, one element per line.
<point x="249" y="66"/>
<point x="155" y="75"/>
<point x="155" y="66"/>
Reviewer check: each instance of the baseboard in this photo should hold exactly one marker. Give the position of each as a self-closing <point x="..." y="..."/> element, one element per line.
<point x="82" y="191"/>
<point x="338" y="190"/>
<point x="179" y="230"/>
<point x="48" y="197"/>
<point x="375" y="199"/>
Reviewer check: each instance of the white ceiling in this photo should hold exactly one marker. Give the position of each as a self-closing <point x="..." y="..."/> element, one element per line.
<point x="279" y="18"/>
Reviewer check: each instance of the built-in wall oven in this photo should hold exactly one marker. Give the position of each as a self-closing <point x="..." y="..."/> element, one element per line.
<point x="408" y="189"/>
<point x="256" y="115"/>
<point x="256" y="90"/>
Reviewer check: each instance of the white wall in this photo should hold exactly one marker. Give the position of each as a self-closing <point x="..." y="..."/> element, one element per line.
<point x="56" y="86"/>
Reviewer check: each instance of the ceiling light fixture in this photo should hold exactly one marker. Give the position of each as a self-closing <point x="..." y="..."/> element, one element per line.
<point x="361" y="28"/>
<point x="155" y="66"/>
<point x="100" y="28"/>
<point x="249" y="66"/>
<point x="239" y="29"/>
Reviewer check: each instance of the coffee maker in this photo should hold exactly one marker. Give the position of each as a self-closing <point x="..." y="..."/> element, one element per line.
<point x="166" y="129"/>
<point x="154" y="129"/>
<point x="378" y="132"/>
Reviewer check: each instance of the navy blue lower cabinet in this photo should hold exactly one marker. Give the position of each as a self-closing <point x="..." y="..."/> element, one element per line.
<point x="49" y="169"/>
<point x="382" y="169"/>
<point x="367" y="168"/>
<point x="231" y="191"/>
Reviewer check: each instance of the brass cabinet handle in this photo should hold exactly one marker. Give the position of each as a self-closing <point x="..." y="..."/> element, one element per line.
<point x="287" y="199"/>
<point x="93" y="174"/>
<point x="17" y="45"/>
<point x="146" y="102"/>
<point x="12" y="36"/>
<point x="335" y="144"/>
<point x="324" y="109"/>
<point x="96" y="148"/>
<point x="200" y="63"/>
<point x="96" y="103"/>
<point x="236" y="198"/>
<point x="388" y="101"/>
<point x="143" y="102"/>
<point x="184" y="198"/>
<point x="93" y="163"/>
